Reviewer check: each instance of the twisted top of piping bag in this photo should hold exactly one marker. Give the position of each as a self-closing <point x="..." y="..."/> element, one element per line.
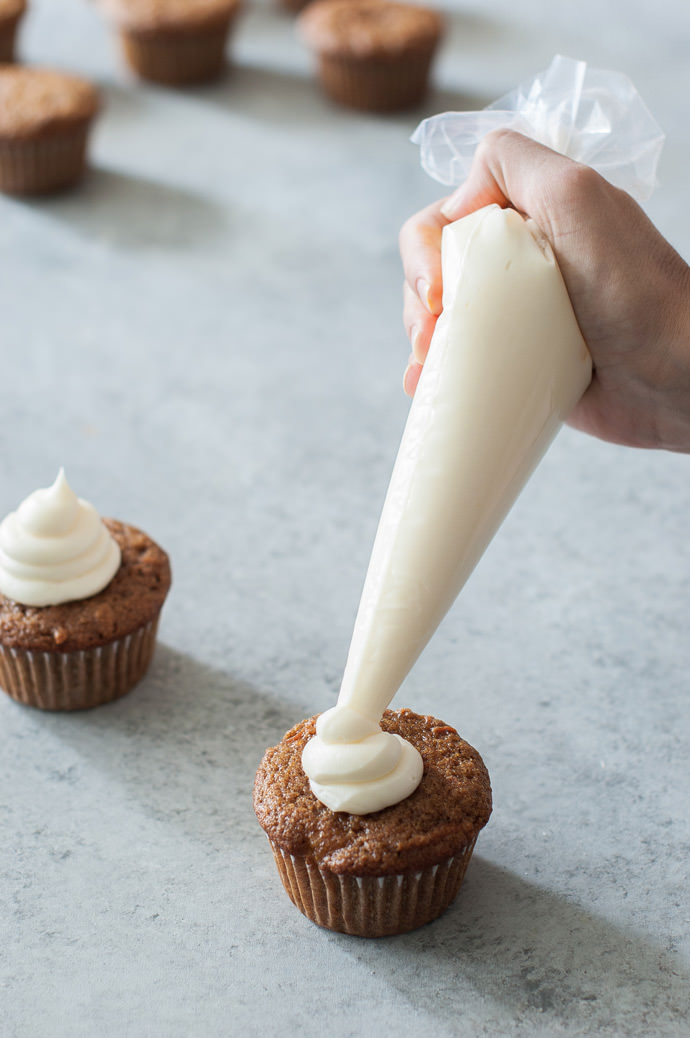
<point x="594" y="116"/>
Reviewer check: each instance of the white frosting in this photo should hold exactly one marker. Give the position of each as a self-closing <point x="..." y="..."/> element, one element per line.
<point x="55" y="549"/>
<point x="506" y="365"/>
<point x="354" y="766"/>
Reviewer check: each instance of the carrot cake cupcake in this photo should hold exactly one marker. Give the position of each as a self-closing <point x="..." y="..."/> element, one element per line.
<point x="372" y="54"/>
<point x="381" y="872"/>
<point x="174" y="42"/>
<point x="80" y="599"/>
<point x="45" y="118"/>
<point x="292" y="6"/>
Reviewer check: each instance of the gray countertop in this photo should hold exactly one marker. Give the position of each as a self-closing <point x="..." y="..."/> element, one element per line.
<point x="208" y="336"/>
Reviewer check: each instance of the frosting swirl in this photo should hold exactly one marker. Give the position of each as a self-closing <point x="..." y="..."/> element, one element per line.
<point x="55" y="549"/>
<point x="354" y="766"/>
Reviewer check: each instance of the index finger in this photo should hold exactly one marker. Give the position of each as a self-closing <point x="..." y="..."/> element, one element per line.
<point x="420" y="249"/>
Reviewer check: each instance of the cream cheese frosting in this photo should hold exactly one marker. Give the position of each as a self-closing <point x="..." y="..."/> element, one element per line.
<point x="54" y="548"/>
<point x="354" y="766"/>
<point x="506" y="365"/>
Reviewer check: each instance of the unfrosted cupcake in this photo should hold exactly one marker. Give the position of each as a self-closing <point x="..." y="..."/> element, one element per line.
<point x="292" y="6"/>
<point x="11" y="12"/>
<point x="45" y="118"/>
<point x="372" y="54"/>
<point x="175" y="42"/>
<point x="80" y="599"/>
<point x="384" y="873"/>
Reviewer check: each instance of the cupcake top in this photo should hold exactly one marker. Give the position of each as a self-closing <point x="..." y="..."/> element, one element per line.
<point x="11" y="8"/>
<point x="130" y="600"/>
<point x="36" y="101"/>
<point x="446" y="811"/>
<point x="353" y="765"/>
<point x="71" y="580"/>
<point x="156" y="15"/>
<point x="54" y="548"/>
<point x="368" y="28"/>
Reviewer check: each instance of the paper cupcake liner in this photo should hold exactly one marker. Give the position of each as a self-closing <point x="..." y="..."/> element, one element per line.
<point x="293" y="6"/>
<point x="371" y="906"/>
<point x="38" y="165"/>
<point x="177" y="58"/>
<point x="377" y="84"/>
<point x="8" y="35"/>
<point x="81" y="679"/>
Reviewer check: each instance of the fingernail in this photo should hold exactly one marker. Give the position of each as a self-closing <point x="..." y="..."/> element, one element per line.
<point x="411" y="376"/>
<point x="423" y="289"/>
<point x="414" y="338"/>
<point x="452" y="205"/>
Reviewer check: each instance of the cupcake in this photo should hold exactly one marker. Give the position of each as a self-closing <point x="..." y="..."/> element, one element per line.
<point x="372" y="54"/>
<point x="389" y="871"/>
<point x="45" y="118"/>
<point x="292" y="6"/>
<point x="80" y="599"/>
<point x="175" y="42"/>
<point x="11" y="12"/>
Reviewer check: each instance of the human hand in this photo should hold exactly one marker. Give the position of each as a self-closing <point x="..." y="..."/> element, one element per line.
<point x="629" y="288"/>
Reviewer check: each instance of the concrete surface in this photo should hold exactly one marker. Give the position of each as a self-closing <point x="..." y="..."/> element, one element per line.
<point x="208" y="336"/>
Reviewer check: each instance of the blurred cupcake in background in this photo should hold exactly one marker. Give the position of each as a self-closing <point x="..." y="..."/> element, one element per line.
<point x="11" y="12"/>
<point x="174" y="42"/>
<point x="45" y="119"/>
<point x="292" y="6"/>
<point x="80" y="599"/>
<point x="374" y="55"/>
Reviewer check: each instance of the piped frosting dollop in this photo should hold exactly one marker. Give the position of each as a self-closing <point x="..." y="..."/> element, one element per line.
<point x="354" y="766"/>
<point x="54" y="548"/>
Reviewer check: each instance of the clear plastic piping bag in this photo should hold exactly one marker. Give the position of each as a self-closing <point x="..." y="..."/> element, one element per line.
<point x="592" y="115"/>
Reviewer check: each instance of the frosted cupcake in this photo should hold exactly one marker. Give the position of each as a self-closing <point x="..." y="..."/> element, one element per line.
<point x="80" y="599"/>
<point x="373" y="873"/>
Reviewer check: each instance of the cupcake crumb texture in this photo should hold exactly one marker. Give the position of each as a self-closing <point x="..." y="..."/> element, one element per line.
<point x="40" y="101"/>
<point x="446" y="811"/>
<point x="136" y="592"/>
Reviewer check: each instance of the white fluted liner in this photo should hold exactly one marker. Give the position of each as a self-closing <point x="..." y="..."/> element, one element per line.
<point x="377" y="83"/>
<point x="178" y="57"/>
<point x="8" y="33"/>
<point x="81" y="679"/>
<point x="371" y="906"/>
<point x="41" y="164"/>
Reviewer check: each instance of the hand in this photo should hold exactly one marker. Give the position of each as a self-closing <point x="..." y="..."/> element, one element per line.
<point x="630" y="290"/>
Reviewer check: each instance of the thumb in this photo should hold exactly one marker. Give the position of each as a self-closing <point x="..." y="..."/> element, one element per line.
<point x="509" y="169"/>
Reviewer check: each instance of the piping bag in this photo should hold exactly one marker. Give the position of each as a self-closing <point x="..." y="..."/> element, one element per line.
<point x="506" y="365"/>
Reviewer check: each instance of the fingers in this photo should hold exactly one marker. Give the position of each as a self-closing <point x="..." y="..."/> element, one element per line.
<point x="419" y="323"/>
<point x="510" y="169"/>
<point x="411" y="376"/>
<point x="420" y="249"/>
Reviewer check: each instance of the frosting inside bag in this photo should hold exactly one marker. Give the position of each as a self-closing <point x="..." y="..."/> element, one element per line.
<point x="507" y="364"/>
